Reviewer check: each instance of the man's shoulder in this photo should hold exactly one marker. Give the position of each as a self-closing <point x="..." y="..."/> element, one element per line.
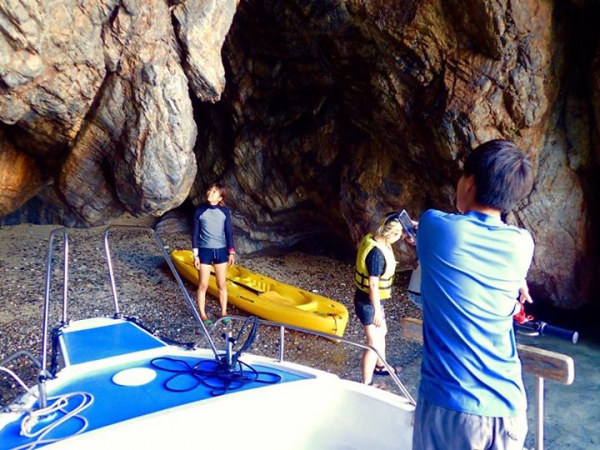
<point x="524" y="233"/>
<point x="434" y="216"/>
<point x="524" y="240"/>
<point x="435" y="213"/>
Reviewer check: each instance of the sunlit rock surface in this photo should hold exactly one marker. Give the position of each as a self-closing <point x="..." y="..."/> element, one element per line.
<point x="319" y="116"/>
<point x="106" y="112"/>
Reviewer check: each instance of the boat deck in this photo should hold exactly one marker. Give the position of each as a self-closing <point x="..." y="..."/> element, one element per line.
<point x="115" y="384"/>
<point x="127" y="372"/>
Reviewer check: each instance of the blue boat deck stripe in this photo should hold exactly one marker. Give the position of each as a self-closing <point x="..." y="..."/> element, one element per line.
<point x="114" y="403"/>
<point x="94" y="344"/>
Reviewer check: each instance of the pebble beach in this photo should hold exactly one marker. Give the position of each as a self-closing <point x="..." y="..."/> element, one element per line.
<point x="147" y="290"/>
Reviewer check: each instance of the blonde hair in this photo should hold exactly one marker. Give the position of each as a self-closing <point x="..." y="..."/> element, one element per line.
<point x="388" y="225"/>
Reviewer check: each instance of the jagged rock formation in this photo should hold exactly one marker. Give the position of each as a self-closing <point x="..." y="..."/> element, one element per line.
<point x="98" y="92"/>
<point x="319" y="115"/>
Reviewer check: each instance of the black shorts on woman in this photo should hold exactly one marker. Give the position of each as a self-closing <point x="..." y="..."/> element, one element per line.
<point x="364" y="308"/>
<point x="211" y="256"/>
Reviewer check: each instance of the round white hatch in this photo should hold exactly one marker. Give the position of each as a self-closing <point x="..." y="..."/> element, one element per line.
<point x="137" y="376"/>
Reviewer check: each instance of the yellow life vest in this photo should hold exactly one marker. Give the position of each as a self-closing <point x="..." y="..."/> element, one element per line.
<point x="361" y="274"/>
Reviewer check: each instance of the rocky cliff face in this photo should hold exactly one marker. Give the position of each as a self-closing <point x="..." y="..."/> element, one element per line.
<point x="319" y="115"/>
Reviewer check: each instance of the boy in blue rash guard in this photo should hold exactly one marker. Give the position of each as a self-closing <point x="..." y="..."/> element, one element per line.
<point x="471" y="394"/>
<point x="212" y="244"/>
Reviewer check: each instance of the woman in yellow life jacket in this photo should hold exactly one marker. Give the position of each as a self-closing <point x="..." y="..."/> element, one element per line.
<point x="374" y="277"/>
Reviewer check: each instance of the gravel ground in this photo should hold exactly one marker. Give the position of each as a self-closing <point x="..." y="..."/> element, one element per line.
<point x="147" y="290"/>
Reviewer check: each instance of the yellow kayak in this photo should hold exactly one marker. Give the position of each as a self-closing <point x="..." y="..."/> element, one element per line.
<point x="270" y="299"/>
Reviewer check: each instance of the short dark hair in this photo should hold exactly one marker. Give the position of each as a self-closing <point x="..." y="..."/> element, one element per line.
<point x="222" y="190"/>
<point x="503" y="174"/>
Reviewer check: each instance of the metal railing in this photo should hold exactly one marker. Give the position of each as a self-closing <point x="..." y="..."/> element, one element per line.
<point x="62" y="232"/>
<point x="169" y="262"/>
<point x="334" y="338"/>
<point x="43" y="373"/>
<point x="206" y="332"/>
<point x="5" y="370"/>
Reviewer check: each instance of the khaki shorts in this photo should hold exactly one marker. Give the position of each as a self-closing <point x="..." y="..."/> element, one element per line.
<point x="443" y="429"/>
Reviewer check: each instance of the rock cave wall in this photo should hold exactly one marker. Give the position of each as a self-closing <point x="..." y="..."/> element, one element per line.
<point x="320" y="116"/>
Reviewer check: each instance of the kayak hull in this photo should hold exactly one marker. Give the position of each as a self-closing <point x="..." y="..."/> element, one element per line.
<point x="271" y="299"/>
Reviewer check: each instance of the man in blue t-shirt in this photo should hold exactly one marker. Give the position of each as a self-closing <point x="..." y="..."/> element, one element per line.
<point x="471" y="394"/>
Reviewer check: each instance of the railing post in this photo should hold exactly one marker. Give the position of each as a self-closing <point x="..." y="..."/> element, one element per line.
<point x="281" y="342"/>
<point x="539" y="413"/>
<point x="46" y="314"/>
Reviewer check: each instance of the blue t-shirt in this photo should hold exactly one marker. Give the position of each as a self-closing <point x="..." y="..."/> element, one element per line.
<point x="472" y="268"/>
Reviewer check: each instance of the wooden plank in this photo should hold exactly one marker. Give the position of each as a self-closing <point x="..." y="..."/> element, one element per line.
<point x="547" y="364"/>
<point x="412" y="329"/>
<point x="542" y="363"/>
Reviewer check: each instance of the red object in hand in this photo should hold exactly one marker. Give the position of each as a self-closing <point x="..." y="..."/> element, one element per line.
<point x="521" y="317"/>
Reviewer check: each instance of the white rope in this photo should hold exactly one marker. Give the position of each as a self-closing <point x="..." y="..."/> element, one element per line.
<point x="33" y="418"/>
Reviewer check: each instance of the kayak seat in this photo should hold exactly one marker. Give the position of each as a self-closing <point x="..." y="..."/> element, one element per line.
<point x="297" y="301"/>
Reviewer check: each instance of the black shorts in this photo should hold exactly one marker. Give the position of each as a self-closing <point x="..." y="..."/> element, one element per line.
<point x="364" y="308"/>
<point x="213" y="255"/>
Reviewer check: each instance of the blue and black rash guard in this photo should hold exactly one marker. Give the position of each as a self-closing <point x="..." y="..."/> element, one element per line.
<point x="212" y="228"/>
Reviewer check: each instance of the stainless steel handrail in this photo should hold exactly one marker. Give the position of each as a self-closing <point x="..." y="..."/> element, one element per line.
<point x="5" y="370"/>
<point x="169" y="262"/>
<point x="283" y="327"/>
<point x="167" y="258"/>
<point x="18" y="354"/>
<point x="331" y="337"/>
<point x="43" y="374"/>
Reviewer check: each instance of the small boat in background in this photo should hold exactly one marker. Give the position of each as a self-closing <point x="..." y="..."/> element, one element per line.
<point x="271" y="299"/>
<point x="109" y="382"/>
